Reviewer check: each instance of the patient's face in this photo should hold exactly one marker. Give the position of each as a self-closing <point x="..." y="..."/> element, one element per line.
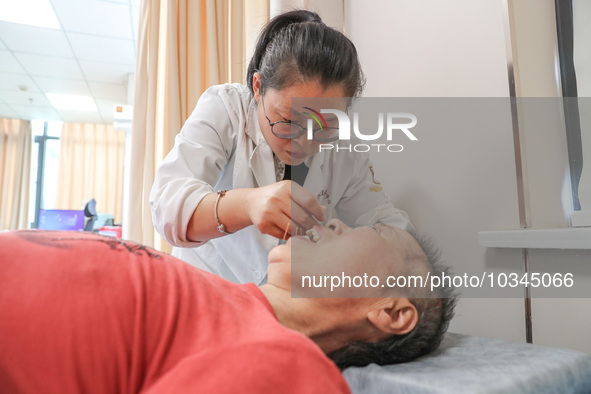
<point x="334" y="249"/>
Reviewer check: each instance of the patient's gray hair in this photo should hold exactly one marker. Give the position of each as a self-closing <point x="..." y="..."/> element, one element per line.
<point x="435" y="313"/>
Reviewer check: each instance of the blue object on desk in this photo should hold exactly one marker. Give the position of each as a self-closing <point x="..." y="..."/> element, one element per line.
<point x="60" y="219"/>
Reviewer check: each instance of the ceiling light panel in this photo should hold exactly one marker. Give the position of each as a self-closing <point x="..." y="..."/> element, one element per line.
<point x="29" y="12"/>
<point x="72" y="102"/>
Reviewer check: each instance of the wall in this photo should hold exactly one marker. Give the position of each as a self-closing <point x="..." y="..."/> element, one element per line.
<point x="557" y="322"/>
<point x="457" y="184"/>
<point x="331" y="11"/>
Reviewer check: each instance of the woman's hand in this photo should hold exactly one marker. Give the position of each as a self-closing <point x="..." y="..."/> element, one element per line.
<point x="283" y="208"/>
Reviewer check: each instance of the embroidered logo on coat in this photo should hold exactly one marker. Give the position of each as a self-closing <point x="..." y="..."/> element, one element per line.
<point x="378" y="186"/>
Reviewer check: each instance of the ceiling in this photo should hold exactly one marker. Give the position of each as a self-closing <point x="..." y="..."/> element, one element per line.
<point x="93" y="54"/>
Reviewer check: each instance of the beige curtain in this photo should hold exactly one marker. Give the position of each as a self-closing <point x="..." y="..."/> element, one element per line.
<point x="91" y="165"/>
<point x="15" y="168"/>
<point x="184" y="46"/>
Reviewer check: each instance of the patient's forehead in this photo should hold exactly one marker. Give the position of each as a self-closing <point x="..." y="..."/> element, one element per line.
<point x="398" y="238"/>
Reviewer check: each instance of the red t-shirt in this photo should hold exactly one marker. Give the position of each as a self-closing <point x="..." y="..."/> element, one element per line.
<point x="80" y="313"/>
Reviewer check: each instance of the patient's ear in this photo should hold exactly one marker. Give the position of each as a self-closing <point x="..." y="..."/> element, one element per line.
<point x="397" y="317"/>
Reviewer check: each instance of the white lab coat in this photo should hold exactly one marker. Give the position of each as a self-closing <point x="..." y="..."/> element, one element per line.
<point x="221" y="147"/>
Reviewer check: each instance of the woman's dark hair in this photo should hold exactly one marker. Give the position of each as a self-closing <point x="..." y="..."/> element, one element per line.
<point x="297" y="46"/>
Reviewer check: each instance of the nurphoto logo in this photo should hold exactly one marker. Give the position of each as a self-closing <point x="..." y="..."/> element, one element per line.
<point x="395" y="124"/>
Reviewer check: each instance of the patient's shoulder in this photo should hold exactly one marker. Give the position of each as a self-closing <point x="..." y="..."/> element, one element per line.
<point x="292" y="365"/>
<point x="257" y="367"/>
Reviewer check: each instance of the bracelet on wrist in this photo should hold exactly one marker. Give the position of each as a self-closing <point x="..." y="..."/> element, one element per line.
<point x="220" y="226"/>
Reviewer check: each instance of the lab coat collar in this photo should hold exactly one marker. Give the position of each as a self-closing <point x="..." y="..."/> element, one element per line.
<point x="254" y="150"/>
<point x="314" y="181"/>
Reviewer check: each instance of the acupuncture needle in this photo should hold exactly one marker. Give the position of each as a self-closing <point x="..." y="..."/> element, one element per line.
<point x="374" y="216"/>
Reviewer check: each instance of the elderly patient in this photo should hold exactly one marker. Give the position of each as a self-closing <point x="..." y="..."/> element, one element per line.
<point x="90" y="314"/>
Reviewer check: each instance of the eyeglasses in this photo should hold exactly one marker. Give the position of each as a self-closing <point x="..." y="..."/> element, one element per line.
<point x="289" y="130"/>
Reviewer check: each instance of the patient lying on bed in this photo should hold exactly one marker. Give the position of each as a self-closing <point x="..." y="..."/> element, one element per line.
<point x="85" y="313"/>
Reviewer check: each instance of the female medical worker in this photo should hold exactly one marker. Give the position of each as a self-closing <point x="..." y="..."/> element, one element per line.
<point x="220" y="196"/>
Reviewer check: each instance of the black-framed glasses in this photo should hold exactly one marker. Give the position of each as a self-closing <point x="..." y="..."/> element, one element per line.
<point x="289" y="130"/>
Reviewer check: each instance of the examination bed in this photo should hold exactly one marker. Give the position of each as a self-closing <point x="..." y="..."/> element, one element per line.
<point x="468" y="364"/>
